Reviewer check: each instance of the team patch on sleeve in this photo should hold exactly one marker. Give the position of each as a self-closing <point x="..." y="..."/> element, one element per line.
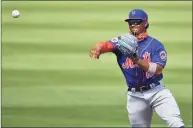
<point x="114" y="40"/>
<point x="163" y="55"/>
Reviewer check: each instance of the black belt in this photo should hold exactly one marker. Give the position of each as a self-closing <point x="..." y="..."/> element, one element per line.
<point x="144" y="88"/>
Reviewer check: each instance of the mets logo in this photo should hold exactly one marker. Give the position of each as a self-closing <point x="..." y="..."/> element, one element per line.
<point x="133" y="12"/>
<point x="146" y="56"/>
<point x="129" y="63"/>
<point x="163" y="55"/>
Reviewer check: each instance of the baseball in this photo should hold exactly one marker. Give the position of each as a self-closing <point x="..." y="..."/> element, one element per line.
<point x="15" y="13"/>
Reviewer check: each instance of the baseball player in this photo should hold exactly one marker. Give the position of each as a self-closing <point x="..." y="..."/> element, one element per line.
<point x="142" y="59"/>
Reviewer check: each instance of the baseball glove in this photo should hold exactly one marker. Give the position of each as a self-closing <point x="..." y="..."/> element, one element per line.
<point x="127" y="45"/>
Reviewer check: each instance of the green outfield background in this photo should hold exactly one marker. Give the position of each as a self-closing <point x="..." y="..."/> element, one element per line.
<point x="48" y="78"/>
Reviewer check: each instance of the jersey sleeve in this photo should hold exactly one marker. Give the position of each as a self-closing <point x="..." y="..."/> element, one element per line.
<point x="114" y="42"/>
<point x="160" y="55"/>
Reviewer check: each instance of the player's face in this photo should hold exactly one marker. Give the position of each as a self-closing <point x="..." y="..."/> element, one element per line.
<point x="136" y="26"/>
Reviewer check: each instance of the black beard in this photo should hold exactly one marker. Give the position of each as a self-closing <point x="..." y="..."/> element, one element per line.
<point x="135" y="33"/>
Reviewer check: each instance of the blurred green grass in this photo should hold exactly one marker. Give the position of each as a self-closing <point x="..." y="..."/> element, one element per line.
<point x="48" y="78"/>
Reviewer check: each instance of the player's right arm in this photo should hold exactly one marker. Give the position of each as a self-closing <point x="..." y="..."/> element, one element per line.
<point x="158" y="61"/>
<point x="103" y="47"/>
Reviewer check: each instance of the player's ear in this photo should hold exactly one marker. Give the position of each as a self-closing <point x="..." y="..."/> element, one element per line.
<point x="146" y="24"/>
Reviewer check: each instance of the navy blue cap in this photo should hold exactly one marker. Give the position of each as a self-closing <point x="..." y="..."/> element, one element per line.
<point x="137" y="14"/>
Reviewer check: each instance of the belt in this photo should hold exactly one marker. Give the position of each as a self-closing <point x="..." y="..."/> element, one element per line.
<point x="143" y="88"/>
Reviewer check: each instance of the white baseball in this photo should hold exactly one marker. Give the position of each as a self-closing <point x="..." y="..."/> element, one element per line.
<point x="15" y="13"/>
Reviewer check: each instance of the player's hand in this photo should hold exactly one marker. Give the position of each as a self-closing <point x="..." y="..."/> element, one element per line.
<point x="127" y="45"/>
<point x="96" y="51"/>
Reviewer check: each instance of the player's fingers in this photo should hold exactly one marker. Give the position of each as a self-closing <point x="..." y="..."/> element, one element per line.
<point x="95" y="56"/>
<point x="92" y="53"/>
<point x="95" y="52"/>
<point x="98" y="56"/>
<point x="98" y="51"/>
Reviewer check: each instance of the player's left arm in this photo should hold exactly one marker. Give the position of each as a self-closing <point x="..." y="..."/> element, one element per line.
<point x="157" y="63"/>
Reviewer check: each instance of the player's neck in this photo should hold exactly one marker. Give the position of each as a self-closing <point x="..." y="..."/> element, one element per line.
<point x="142" y="36"/>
